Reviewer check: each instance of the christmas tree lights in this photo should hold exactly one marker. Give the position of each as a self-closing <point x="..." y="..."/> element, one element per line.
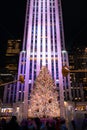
<point x="44" y="97"/>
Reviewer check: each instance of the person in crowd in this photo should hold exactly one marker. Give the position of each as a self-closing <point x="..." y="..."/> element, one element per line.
<point x="73" y="124"/>
<point x="84" y="124"/>
<point x="3" y="124"/>
<point x="38" y="123"/>
<point x="24" y="124"/>
<point x="57" y="124"/>
<point x="63" y="125"/>
<point x="31" y="124"/>
<point x="13" y="124"/>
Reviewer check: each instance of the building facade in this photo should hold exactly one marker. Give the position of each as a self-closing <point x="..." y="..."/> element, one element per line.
<point x="78" y="67"/>
<point x="43" y="45"/>
<point x="10" y="68"/>
<point x="12" y="55"/>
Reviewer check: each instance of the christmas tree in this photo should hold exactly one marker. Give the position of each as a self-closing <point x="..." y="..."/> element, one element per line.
<point x="44" y="97"/>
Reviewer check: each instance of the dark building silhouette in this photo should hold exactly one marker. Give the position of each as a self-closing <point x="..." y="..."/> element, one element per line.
<point x="78" y="67"/>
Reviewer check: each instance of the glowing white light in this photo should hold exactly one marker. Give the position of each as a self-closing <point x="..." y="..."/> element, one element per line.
<point x="43" y="63"/>
<point x="64" y="51"/>
<point x="66" y="68"/>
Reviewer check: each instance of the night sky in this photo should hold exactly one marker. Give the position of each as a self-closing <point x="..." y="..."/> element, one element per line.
<point x="12" y="17"/>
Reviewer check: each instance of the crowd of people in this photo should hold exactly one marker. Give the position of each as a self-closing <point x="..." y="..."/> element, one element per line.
<point x="41" y="124"/>
<point x="33" y="124"/>
<point x="79" y="123"/>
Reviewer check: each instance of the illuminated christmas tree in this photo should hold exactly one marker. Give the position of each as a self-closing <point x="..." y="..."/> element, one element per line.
<point x="44" y="97"/>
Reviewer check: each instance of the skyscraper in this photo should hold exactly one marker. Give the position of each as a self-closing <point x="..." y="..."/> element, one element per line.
<point x="43" y="45"/>
<point x="78" y="66"/>
<point x="10" y="68"/>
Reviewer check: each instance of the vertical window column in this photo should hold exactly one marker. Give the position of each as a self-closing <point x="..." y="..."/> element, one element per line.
<point x="49" y="36"/>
